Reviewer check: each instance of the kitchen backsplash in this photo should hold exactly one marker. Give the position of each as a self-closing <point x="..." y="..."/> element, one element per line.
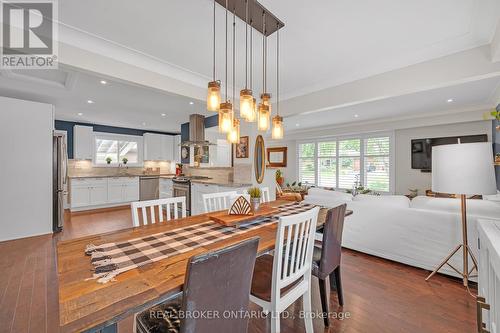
<point x="217" y="174"/>
<point x="78" y="168"/>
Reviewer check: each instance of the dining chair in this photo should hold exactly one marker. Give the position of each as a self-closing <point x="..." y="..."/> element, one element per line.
<point x="265" y="195"/>
<point x="150" y="210"/>
<point x="217" y="201"/>
<point x="216" y="282"/>
<point x="326" y="259"/>
<point x="280" y="280"/>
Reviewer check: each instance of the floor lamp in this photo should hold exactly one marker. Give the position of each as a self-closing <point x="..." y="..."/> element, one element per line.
<point x="464" y="169"/>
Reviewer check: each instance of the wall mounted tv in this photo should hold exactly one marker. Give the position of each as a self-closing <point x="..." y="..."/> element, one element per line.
<point x="421" y="149"/>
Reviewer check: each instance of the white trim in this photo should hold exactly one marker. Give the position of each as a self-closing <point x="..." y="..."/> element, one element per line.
<point x="123" y="137"/>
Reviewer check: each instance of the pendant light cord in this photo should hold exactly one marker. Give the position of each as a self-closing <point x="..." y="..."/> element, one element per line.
<point x="251" y="55"/>
<point x="278" y="70"/>
<point x="214" y="40"/>
<point x="263" y="52"/>
<point x="246" y="44"/>
<point x="226" y="52"/>
<point x="234" y="50"/>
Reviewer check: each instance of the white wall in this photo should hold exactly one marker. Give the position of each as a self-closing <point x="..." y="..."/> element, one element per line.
<point x="26" y="168"/>
<point x="290" y="171"/>
<point x="406" y="177"/>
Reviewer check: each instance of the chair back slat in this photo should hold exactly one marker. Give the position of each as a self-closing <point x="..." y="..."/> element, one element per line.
<point x="292" y="260"/>
<point x="217" y="201"/>
<point x="157" y="207"/>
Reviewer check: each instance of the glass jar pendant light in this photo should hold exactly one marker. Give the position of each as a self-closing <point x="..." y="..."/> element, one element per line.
<point x="277" y="130"/>
<point x="263" y="118"/>
<point x="213" y="95"/>
<point x="233" y="136"/>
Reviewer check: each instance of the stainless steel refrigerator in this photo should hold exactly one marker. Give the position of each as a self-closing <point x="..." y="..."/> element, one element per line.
<point x="59" y="179"/>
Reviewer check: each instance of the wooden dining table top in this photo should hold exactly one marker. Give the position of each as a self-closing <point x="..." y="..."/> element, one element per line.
<point x="85" y="304"/>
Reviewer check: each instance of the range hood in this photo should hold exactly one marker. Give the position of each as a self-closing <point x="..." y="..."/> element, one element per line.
<point x="196" y="131"/>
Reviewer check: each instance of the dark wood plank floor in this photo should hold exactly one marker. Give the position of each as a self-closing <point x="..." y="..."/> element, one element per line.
<point x="380" y="295"/>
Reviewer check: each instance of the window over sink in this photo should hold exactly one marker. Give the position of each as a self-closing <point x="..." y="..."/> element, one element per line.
<point x="117" y="147"/>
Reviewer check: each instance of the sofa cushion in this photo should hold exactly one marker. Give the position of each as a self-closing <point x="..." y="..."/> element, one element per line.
<point x="483" y="208"/>
<point x="336" y="195"/>
<point x="393" y="200"/>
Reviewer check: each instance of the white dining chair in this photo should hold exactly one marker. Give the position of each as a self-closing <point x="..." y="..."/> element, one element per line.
<point x="156" y="208"/>
<point x="291" y="269"/>
<point x="265" y="195"/>
<point x="217" y="201"/>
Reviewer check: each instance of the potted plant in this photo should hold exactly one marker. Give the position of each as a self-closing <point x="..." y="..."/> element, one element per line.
<point x="124" y="160"/>
<point x="279" y="177"/>
<point x="108" y="160"/>
<point x="496" y="114"/>
<point x="255" y="195"/>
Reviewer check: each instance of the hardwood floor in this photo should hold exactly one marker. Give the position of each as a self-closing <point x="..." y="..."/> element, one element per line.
<point x="380" y="295"/>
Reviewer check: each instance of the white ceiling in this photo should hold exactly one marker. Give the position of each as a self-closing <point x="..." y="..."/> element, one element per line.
<point x="470" y="95"/>
<point x="116" y="103"/>
<point x="324" y="43"/>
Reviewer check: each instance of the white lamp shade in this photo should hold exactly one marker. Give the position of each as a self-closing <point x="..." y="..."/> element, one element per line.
<point x="463" y="169"/>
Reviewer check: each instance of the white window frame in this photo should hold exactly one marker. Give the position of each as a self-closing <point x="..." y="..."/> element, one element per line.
<point x="362" y="137"/>
<point x="119" y="137"/>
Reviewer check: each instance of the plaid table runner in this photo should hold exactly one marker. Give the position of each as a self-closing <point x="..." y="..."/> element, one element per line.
<point x="112" y="259"/>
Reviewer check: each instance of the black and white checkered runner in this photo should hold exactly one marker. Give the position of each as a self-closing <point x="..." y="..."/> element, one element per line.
<point x="112" y="259"/>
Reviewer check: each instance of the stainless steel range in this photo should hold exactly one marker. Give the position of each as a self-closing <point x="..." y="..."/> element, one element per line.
<point x="182" y="188"/>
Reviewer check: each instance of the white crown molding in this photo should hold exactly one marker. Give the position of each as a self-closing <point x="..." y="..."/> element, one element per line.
<point x="68" y="84"/>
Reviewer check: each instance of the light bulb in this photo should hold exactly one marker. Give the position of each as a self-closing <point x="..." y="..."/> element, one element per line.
<point x="252" y="115"/>
<point x="263" y="118"/>
<point x="266" y="100"/>
<point x="233" y="136"/>
<point x="213" y="96"/>
<point x="246" y="100"/>
<point x="277" y="131"/>
<point x="225" y="117"/>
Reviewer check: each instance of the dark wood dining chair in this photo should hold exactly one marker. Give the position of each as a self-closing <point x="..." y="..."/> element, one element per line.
<point x="216" y="283"/>
<point x="326" y="259"/>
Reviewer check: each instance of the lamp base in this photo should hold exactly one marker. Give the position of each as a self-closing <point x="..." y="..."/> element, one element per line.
<point x="466" y="251"/>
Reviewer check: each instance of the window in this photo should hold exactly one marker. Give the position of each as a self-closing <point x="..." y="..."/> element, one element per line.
<point x="377" y="161"/>
<point x="306" y="163"/>
<point x="117" y="147"/>
<point x="338" y="163"/>
<point x="327" y="164"/>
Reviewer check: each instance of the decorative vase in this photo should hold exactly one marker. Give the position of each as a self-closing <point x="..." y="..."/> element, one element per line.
<point x="255" y="204"/>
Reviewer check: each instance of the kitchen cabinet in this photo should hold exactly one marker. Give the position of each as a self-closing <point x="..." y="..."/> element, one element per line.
<point x="158" y="147"/>
<point x="102" y="192"/>
<point x="83" y="142"/>
<point x="198" y="189"/>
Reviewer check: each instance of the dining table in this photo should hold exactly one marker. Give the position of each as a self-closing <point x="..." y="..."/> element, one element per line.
<point x="88" y="306"/>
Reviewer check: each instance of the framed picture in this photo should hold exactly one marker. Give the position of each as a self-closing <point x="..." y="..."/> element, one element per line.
<point x="242" y="147"/>
<point x="276" y="157"/>
<point x="185" y="154"/>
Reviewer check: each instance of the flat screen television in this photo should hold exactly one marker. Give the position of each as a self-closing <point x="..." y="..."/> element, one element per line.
<point x="421" y="149"/>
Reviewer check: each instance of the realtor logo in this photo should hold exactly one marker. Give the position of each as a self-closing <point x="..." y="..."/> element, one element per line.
<point x="29" y="34"/>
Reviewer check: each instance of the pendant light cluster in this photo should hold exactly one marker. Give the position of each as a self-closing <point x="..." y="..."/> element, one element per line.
<point x="249" y="110"/>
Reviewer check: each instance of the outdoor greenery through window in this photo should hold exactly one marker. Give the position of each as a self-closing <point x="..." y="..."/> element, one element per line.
<point x="339" y="163"/>
<point x="116" y="149"/>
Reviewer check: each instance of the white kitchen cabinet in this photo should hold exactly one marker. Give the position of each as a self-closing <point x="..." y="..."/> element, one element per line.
<point x="177" y="148"/>
<point x="197" y="191"/>
<point x="158" y="147"/>
<point x="101" y="192"/>
<point x="83" y="143"/>
<point x="167" y="147"/>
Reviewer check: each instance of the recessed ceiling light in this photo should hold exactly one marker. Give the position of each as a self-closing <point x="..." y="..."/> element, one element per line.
<point x="104" y="82"/>
<point x="191" y="103"/>
<point x="297" y="125"/>
<point x="143" y="124"/>
<point x="80" y="114"/>
<point x="90" y="101"/>
<point x="163" y="114"/>
<point x="450" y="100"/>
<point x="356" y="116"/>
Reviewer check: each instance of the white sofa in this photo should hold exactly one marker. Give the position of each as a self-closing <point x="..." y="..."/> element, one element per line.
<point x="420" y="232"/>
